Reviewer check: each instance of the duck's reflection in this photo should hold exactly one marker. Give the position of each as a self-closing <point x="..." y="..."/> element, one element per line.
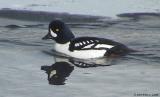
<point x="63" y="67"/>
<point x="86" y="64"/>
<point x="58" y="72"/>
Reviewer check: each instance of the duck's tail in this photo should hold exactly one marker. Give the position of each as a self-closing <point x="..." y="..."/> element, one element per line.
<point x="119" y="50"/>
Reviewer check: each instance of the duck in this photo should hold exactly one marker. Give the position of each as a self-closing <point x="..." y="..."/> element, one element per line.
<point x="82" y="47"/>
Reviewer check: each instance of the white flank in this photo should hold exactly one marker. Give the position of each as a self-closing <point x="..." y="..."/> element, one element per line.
<point x="52" y="33"/>
<point x="104" y="46"/>
<point x="82" y="54"/>
<point x="53" y="72"/>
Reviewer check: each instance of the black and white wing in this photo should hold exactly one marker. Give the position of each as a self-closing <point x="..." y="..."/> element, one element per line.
<point x="86" y="43"/>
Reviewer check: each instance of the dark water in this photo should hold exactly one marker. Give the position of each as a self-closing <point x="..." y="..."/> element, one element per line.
<point x="29" y="67"/>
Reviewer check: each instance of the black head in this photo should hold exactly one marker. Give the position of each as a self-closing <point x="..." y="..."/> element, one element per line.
<point x="59" y="32"/>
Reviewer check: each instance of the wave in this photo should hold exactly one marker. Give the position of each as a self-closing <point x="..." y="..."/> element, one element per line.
<point x="18" y="42"/>
<point x="135" y="21"/>
<point x="138" y="16"/>
<point x="44" y="16"/>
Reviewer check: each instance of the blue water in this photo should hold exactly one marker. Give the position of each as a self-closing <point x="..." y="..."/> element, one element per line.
<point x="29" y="67"/>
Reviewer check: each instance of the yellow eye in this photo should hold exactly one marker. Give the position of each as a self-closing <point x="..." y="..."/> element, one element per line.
<point x="57" y="30"/>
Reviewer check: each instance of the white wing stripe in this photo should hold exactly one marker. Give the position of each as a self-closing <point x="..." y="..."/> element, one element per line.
<point x="80" y="43"/>
<point x="89" y="46"/>
<point x="84" y="42"/>
<point x="77" y="44"/>
<point x="87" y="41"/>
<point x="91" y="40"/>
<point x="104" y="46"/>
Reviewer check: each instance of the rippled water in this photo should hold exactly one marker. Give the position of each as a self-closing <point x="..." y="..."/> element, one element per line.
<point x="29" y="67"/>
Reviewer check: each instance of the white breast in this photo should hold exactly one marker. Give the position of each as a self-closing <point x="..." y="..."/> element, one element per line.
<point x="82" y="54"/>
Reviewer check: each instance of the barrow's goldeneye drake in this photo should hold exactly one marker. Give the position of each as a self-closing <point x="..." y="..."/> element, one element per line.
<point x="82" y="47"/>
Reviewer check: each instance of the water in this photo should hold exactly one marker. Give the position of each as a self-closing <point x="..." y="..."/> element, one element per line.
<point x="102" y="8"/>
<point x="29" y="67"/>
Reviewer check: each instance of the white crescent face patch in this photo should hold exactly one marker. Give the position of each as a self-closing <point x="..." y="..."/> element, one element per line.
<point x="53" y="34"/>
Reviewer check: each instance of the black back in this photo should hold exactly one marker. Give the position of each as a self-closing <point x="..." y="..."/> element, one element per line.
<point x="90" y="40"/>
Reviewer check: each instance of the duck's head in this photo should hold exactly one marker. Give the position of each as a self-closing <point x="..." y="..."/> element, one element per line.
<point x="59" y="32"/>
